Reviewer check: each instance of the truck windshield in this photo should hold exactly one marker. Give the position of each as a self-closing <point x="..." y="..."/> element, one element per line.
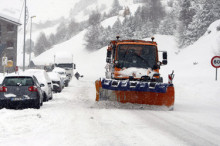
<point x="65" y="65"/>
<point x="140" y="56"/>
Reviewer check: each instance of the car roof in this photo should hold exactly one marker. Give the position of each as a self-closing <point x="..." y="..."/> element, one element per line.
<point x="19" y="75"/>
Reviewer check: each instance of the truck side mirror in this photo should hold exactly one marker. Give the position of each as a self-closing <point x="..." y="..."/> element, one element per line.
<point x="108" y="58"/>
<point x="164" y="62"/>
<point x="165" y="55"/>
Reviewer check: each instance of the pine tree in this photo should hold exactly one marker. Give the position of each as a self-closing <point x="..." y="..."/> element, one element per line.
<point x="94" y="18"/>
<point x="73" y="28"/>
<point x="93" y="37"/>
<point x="117" y="28"/>
<point x="29" y="49"/>
<point x="185" y="18"/>
<point x="52" y="39"/>
<point x="41" y="45"/>
<point x="156" y="14"/>
<point x="61" y="34"/>
<point x="168" y="25"/>
<point x="201" y="21"/>
<point x="128" y="28"/>
<point x="116" y="7"/>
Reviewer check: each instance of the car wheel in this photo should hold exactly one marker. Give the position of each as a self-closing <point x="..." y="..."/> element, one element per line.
<point x="37" y="104"/>
<point x="51" y="96"/>
<point x="41" y="104"/>
<point x="45" y="97"/>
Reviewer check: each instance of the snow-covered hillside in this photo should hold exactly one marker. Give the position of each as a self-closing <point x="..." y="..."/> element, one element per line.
<point x="197" y="92"/>
<point x="73" y="117"/>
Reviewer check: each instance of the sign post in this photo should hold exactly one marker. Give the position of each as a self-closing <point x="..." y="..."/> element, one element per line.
<point x="216" y="64"/>
<point x="4" y="63"/>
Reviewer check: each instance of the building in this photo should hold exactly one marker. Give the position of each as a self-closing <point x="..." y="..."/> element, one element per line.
<point x="8" y="42"/>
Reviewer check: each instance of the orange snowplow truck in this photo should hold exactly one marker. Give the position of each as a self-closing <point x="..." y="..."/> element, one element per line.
<point x="132" y="74"/>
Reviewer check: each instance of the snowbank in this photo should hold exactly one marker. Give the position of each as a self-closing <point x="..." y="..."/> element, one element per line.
<point x="136" y="72"/>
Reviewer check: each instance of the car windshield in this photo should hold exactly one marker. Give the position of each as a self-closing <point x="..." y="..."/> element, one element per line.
<point x="61" y="73"/>
<point x="18" y="81"/>
<point x="140" y="56"/>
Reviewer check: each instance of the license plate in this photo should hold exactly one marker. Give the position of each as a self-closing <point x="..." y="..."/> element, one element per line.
<point x="17" y="99"/>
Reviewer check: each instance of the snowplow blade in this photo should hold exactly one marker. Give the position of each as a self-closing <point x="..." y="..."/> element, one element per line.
<point x="160" y="94"/>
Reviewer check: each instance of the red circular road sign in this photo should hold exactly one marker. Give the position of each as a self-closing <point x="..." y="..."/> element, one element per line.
<point x="215" y="61"/>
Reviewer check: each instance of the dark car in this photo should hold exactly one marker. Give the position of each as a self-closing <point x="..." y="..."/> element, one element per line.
<point x="21" y="91"/>
<point x="44" y="80"/>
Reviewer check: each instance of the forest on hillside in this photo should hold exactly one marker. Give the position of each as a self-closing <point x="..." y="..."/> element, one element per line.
<point x="187" y="20"/>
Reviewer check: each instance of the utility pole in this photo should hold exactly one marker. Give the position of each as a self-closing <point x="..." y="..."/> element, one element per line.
<point x="24" y="34"/>
<point x="30" y="40"/>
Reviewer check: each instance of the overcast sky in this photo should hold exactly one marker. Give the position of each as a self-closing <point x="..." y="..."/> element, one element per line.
<point x="43" y="9"/>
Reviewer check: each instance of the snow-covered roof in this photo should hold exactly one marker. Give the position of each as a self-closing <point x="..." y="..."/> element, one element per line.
<point x="54" y="76"/>
<point x="40" y="74"/>
<point x="63" y="58"/>
<point x="9" y="19"/>
<point x="58" y="69"/>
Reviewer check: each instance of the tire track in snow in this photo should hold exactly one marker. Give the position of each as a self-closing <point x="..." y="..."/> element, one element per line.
<point x="175" y="127"/>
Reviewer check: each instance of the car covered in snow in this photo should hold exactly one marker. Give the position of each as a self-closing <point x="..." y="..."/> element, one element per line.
<point x="19" y="91"/>
<point x="44" y="80"/>
<point x="57" y="81"/>
<point x="63" y="75"/>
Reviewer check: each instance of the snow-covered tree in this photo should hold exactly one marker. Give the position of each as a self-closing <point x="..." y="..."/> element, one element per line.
<point x="28" y="48"/>
<point x="73" y="28"/>
<point x="116" y="7"/>
<point x="52" y="39"/>
<point x="94" y="38"/>
<point x="62" y="30"/>
<point x="185" y="18"/>
<point x="128" y="28"/>
<point x="168" y="25"/>
<point x="117" y="28"/>
<point x="94" y="18"/>
<point x="41" y="45"/>
<point x="204" y="16"/>
<point x="156" y="14"/>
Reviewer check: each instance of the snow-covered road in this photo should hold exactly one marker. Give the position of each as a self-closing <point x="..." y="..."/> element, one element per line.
<point x="74" y="118"/>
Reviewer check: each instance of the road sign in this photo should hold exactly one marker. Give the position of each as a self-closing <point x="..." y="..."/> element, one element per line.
<point x="4" y="61"/>
<point x="9" y="63"/>
<point x="215" y="61"/>
<point x="216" y="64"/>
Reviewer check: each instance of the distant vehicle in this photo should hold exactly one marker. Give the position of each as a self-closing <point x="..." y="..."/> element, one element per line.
<point x="21" y="90"/>
<point x="43" y="79"/>
<point x="57" y="81"/>
<point x="65" y="61"/>
<point x="62" y="73"/>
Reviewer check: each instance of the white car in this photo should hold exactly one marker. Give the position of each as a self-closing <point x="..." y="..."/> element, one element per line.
<point x="44" y="80"/>
<point x="63" y="75"/>
<point x="58" y="82"/>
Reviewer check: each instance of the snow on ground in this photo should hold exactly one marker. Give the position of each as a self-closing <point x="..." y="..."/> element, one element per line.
<point x="110" y="21"/>
<point x="194" y="121"/>
<point x="74" y="118"/>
